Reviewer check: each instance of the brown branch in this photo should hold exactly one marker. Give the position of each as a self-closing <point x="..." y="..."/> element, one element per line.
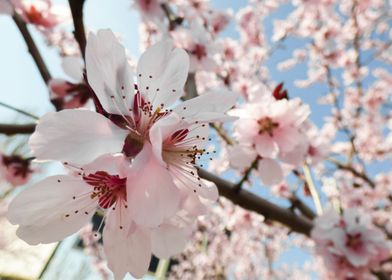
<point x="11" y="129"/>
<point x="353" y="171"/>
<point x="32" y="47"/>
<point x="302" y="207"/>
<point x="174" y="20"/>
<point x="259" y="205"/>
<point x="76" y="7"/>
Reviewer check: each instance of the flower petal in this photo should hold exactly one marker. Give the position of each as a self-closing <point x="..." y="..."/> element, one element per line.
<point x="47" y="212"/>
<point x="208" y="107"/>
<point x="77" y="136"/>
<point x="168" y="240"/>
<point x="127" y="249"/>
<point x="162" y="72"/>
<point x="266" y="146"/>
<point x="161" y="130"/>
<point x="151" y="193"/>
<point x="109" y="73"/>
<point x="73" y="67"/>
<point x="270" y="171"/>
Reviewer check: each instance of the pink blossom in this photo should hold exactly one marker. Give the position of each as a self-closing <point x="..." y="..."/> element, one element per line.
<point x="145" y="213"/>
<point x="349" y="243"/>
<point x="15" y="169"/>
<point x="6" y="7"/>
<point x="41" y="12"/>
<point x="199" y="45"/>
<point x="70" y="94"/>
<point x="150" y="9"/>
<point x="272" y="128"/>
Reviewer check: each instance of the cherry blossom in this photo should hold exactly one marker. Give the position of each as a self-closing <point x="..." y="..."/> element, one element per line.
<point x="41" y="13"/>
<point x="6" y="7"/>
<point x="199" y="46"/>
<point x="15" y="169"/>
<point x="349" y="243"/>
<point x="67" y="94"/>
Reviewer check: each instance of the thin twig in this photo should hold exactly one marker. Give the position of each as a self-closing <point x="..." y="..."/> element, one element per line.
<point x="259" y="205"/>
<point x="76" y="7"/>
<point x="19" y="110"/>
<point x="353" y="171"/>
<point x="247" y="173"/>
<point x="32" y="47"/>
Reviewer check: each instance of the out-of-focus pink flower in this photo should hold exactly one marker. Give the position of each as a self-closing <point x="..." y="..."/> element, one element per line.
<point x="70" y="94"/>
<point x="6" y="7"/>
<point x="350" y="244"/>
<point x="199" y="45"/>
<point x="15" y="169"/>
<point x="150" y="10"/>
<point x="41" y="12"/>
<point x="271" y="126"/>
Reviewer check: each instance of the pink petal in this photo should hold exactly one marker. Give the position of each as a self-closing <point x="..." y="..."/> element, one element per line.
<point x="127" y="250"/>
<point x="270" y="171"/>
<point x="266" y="146"/>
<point x="161" y="130"/>
<point x="77" y="136"/>
<point x="151" y="193"/>
<point x="46" y="213"/>
<point x="168" y="240"/>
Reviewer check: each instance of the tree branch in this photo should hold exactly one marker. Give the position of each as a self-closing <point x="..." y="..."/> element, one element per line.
<point x="259" y="205"/>
<point x="33" y="50"/>
<point x="353" y="171"/>
<point x="77" y="16"/>
<point x="11" y="129"/>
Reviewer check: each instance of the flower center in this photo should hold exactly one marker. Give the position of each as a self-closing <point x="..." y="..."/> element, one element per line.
<point x="34" y="15"/>
<point x="354" y="241"/>
<point x="19" y="165"/>
<point x="199" y="51"/>
<point x="267" y="125"/>
<point x="108" y="188"/>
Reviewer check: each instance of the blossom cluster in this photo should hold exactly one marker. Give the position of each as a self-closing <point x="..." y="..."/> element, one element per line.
<point x="135" y="158"/>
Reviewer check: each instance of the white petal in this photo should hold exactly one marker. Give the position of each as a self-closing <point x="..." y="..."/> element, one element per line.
<point x="73" y="67"/>
<point x="168" y="240"/>
<point x="208" y="107"/>
<point x="127" y="251"/>
<point x="45" y="212"/>
<point x="109" y="73"/>
<point x="77" y="136"/>
<point x="270" y="171"/>
<point x="162" y="72"/>
<point x="151" y="193"/>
